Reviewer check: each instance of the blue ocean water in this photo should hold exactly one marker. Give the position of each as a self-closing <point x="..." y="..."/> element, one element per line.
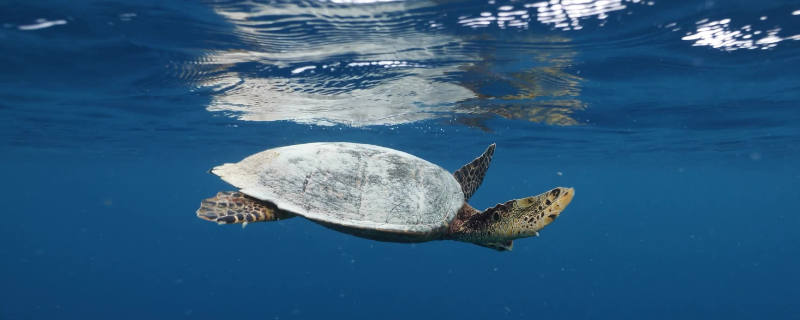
<point x="677" y="123"/>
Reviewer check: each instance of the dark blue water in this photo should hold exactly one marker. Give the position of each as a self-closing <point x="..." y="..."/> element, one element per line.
<point x="677" y="123"/>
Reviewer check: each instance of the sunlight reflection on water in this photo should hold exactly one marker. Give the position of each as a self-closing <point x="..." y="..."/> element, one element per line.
<point x="364" y="63"/>
<point x="721" y="35"/>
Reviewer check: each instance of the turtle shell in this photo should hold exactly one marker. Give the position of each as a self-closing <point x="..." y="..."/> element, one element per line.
<point x="360" y="189"/>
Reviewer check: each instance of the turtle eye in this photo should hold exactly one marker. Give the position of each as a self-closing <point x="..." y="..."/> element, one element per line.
<point x="495" y="216"/>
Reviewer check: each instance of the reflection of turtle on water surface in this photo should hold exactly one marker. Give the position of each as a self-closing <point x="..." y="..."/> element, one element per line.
<point x="542" y="94"/>
<point x="376" y="193"/>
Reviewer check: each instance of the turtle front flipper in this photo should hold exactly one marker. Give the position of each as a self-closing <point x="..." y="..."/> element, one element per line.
<point x="471" y="175"/>
<point x="229" y="207"/>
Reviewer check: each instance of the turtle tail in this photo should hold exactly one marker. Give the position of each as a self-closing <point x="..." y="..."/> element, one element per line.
<point x="229" y="207"/>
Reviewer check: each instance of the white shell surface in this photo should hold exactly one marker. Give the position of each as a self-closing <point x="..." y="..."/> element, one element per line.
<point x="349" y="184"/>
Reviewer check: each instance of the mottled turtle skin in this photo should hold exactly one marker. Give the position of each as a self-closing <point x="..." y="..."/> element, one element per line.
<point x="375" y="193"/>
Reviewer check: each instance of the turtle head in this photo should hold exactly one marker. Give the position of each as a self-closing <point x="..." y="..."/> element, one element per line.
<point x="535" y="213"/>
<point x="515" y="219"/>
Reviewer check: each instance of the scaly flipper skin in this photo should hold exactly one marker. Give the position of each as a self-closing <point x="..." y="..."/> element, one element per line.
<point x="229" y="207"/>
<point x="514" y="219"/>
<point x="471" y="175"/>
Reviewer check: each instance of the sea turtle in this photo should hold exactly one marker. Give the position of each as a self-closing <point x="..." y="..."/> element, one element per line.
<point x="376" y="193"/>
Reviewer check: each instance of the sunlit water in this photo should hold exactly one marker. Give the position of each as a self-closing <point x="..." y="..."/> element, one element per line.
<point x="678" y="123"/>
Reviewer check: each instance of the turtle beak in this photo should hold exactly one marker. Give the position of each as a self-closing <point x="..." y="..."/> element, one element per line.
<point x="563" y="198"/>
<point x="566" y="197"/>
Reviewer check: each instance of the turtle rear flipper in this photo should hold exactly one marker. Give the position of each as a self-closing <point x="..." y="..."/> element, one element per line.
<point x="471" y="175"/>
<point x="229" y="207"/>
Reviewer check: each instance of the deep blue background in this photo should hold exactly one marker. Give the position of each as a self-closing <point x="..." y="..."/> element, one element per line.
<point x="685" y="170"/>
<point x="102" y="238"/>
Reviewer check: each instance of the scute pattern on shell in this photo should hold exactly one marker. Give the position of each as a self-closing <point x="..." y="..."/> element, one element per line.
<point x="350" y="184"/>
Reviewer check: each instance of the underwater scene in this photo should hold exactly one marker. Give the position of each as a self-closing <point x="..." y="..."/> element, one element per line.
<point x="400" y="159"/>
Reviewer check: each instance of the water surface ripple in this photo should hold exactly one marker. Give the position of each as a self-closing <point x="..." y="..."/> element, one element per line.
<point x="597" y="77"/>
